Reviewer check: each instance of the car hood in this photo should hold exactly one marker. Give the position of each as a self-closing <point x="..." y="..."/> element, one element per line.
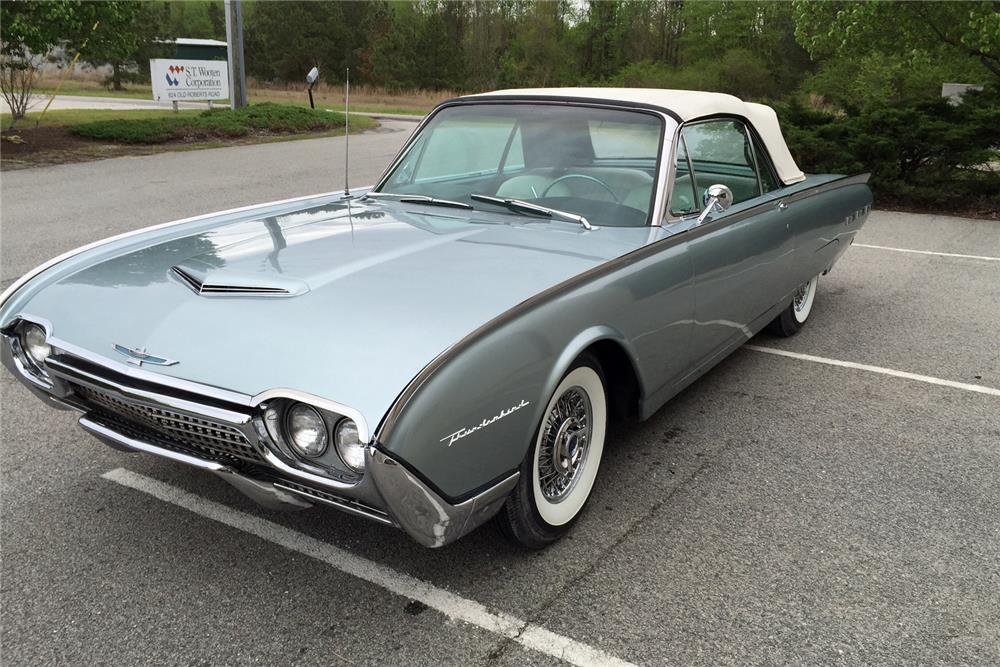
<point x="345" y="300"/>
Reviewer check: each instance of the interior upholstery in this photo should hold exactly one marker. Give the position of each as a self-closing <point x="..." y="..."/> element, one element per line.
<point x="743" y="187"/>
<point x="628" y="185"/>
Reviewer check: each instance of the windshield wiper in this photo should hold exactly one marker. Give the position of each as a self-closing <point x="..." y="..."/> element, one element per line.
<point x="519" y="206"/>
<point x="421" y="199"/>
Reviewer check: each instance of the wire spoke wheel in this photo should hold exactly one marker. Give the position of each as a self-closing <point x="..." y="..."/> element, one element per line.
<point x="564" y="444"/>
<point x="561" y="465"/>
<point x="802" y="301"/>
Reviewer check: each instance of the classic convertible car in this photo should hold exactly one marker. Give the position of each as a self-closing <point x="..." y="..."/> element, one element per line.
<point x="448" y="346"/>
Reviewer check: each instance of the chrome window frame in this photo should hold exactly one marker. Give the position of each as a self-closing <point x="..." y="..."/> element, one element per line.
<point x="751" y="135"/>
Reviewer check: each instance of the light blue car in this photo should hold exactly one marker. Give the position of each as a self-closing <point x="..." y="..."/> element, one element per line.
<point x="448" y="346"/>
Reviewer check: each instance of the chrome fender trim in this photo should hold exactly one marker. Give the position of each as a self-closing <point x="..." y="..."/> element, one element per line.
<point x="424" y="515"/>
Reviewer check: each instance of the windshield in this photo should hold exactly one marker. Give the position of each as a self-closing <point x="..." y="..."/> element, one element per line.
<point x="596" y="163"/>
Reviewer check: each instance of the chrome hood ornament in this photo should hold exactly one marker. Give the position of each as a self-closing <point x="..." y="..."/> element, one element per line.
<point x="139" y="356"/>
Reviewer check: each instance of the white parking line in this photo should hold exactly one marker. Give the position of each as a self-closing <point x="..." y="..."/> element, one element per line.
<point x="878" y="369"/>
<point x="451" y="605"/>
<point x="927" y="252"/>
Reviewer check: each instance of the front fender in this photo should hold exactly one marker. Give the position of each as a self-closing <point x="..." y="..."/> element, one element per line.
<point x="470" y="423"/>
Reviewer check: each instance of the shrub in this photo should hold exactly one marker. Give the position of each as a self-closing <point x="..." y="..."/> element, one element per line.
<point x="213" y="123"/>
<point x="926" y="154"/>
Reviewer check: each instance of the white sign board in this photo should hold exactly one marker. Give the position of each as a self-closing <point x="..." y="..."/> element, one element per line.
<point x="177" y="80"/>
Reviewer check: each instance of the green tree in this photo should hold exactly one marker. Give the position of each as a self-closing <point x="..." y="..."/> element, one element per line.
<point x="966" y="30"/>
<point x="763" y="29"/>
<point x="29" y="31"/>
<point x="284" y="40"/>
<point x="540" y="53"/>
<point x="125" y="29"/>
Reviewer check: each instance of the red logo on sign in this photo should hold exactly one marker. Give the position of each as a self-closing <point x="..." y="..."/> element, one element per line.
<point x="175" y="69"/>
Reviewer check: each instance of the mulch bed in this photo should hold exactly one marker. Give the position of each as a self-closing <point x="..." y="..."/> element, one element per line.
<point x="36" y="146"/>
<point x="42" y="146"/>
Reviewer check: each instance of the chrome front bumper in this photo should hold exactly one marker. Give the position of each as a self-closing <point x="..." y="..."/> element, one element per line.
<point x="387" y="492"/>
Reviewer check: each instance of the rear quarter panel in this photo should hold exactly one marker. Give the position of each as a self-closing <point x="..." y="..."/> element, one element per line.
<point x="824" y="223"/>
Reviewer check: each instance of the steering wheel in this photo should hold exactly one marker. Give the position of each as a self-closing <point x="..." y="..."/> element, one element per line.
<point x="584" y="177"/>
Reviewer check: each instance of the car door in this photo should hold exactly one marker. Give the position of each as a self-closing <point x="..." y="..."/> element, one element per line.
<point x="738" y="256"/>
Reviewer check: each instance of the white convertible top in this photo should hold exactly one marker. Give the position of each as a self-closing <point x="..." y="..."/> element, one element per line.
<point x="689" y="105"/>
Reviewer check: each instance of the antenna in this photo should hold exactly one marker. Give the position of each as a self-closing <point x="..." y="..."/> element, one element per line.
<point x="347" y="132"/>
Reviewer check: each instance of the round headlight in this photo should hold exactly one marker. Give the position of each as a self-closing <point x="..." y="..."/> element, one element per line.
<point x="306" y="430"/>
<point x="34" y="344"/>
<point x="349" y="445"/>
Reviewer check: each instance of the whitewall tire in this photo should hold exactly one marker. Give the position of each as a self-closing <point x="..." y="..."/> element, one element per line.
<point x="794" y="317"/>
<point x="558" y="473"/>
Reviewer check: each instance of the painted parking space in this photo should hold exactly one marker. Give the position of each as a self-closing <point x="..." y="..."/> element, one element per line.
<point x="929" y="315"/>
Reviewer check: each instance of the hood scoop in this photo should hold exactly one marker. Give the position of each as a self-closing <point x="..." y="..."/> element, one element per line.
<point x="223" y="283"/>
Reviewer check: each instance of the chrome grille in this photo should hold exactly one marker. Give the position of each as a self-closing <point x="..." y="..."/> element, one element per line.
<point x="194" y="434"/>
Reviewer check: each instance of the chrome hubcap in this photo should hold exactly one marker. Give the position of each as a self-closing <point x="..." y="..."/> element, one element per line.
<point x="801" y="298"/>
<point x="564" y="445"/>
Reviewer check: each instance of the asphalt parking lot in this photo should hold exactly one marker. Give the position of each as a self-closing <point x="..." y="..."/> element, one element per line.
<point x="787" y="508"/>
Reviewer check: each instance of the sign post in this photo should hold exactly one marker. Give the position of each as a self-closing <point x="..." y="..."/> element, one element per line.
<point x="237" y="68"/>
<point x="177" y="80"/>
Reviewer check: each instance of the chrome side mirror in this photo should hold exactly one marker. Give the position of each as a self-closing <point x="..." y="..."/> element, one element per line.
<point x="716" y="198"/>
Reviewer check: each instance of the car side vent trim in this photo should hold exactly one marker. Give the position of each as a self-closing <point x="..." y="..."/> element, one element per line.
<point x="209" y="288"/>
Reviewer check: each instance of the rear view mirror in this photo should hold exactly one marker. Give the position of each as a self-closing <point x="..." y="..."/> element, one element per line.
<point x="716" y="198"/>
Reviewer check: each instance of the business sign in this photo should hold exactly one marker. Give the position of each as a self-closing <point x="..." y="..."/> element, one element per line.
<point x="179" y="80"/>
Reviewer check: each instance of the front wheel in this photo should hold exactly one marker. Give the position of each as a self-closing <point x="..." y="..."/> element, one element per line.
<point x="558" y="472"/>
<point x="793" y="318"/>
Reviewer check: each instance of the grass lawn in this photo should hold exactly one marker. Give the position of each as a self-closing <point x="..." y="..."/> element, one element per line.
<point x="264" y="118"/>
<point x="75" y="135"/>
<point x="93" y="89"/>
<point x="68" y="117"/>
<point x="363" y="98"/>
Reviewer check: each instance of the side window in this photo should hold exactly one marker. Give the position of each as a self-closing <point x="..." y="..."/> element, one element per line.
<point x="682" y="198"/>
<point x="721" y="152"/>
<point x="765" y="168"/>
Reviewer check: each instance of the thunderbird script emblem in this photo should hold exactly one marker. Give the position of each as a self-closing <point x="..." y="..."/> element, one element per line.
<point x="139" y="356"/>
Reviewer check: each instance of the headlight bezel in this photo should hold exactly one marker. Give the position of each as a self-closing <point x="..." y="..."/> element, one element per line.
<point x="32" y="368"/>
<point x="28" y="345"/>
<point x="272" y="426"/>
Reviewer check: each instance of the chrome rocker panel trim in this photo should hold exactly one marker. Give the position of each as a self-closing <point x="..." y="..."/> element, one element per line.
<point x="387" y="493"/>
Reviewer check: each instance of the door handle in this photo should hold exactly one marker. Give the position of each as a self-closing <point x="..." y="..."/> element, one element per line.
<point x="782" y="206"/>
